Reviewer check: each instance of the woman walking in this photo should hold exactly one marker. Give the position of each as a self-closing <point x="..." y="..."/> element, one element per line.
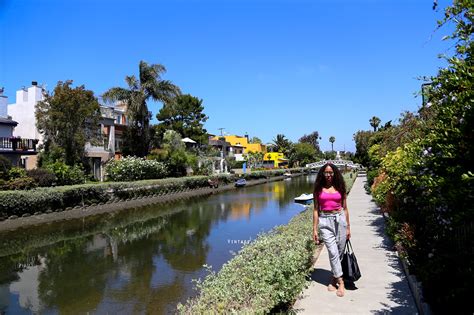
<point x="332" y="217"/>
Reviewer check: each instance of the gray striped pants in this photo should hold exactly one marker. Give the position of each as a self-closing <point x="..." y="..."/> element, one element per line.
<point x="333" y="233"/>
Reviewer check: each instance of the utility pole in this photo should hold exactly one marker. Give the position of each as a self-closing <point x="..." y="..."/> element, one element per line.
<point x="221" y="131"/>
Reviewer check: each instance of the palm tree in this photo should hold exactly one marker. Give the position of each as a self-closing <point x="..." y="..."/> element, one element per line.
<point x="281" y="144"/>
<point x="374" y="122"/>
<point x="148" y="85"/>
<point x="332" y="139"/>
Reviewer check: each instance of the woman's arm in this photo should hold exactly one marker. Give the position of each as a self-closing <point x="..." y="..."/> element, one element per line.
<point x="315" y="219"/>
<point x="346" y="212"/>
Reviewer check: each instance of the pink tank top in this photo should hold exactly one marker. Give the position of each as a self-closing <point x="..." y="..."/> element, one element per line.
<point x="329" y="201"/>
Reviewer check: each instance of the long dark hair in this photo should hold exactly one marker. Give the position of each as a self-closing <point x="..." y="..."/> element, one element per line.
<point x="337" y="180"/>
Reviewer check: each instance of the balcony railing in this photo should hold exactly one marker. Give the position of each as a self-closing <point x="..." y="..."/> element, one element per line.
<point x="18" y="144"/>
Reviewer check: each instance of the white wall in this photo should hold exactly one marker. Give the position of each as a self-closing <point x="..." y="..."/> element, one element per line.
<point x="3" y="106"/>
<point x="23" y="112"/>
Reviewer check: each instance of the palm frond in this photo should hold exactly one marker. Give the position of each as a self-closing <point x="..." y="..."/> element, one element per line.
<point x="150" y="73"/>
<point x="116" y="94"/>
<point x="132" y="82"/>
<point x="164" y="91"/>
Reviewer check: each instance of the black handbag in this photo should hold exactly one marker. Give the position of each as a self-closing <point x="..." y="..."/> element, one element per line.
<point x="350" y="268"/>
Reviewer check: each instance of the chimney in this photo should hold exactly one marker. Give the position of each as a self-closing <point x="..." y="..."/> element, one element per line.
<point x="34" y="83"/>
<point x="3" y="104"/>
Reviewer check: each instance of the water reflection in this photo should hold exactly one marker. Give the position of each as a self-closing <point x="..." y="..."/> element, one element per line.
<point x="137" y="261"/>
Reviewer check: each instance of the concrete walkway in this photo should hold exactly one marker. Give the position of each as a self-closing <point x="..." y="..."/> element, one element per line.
<point x="383" y="287"/>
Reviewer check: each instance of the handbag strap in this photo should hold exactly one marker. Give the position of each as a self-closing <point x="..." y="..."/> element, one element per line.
<point x="349" y="246"/>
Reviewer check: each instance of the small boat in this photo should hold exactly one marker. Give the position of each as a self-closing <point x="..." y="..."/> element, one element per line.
<point x="240" y="183"/>
<point x="287" y="175"/>
<point x="304" y="198"/>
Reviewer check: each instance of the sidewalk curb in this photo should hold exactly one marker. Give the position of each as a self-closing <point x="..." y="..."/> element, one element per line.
<point x="415" y="285"/>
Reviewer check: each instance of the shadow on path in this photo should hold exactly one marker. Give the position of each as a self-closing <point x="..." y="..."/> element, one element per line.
<point x="399" y="292"/>
<point x="321" y="276"/>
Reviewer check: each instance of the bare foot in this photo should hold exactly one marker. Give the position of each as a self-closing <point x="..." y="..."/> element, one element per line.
<point x="340" y="289"/>
<point x="333" y="285"/>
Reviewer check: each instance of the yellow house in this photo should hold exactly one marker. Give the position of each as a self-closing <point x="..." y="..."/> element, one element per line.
<point x="244" y="142"/>
<point x="274" y="160"/>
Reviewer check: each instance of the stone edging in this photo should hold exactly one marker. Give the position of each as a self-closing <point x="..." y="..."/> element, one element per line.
<point x="415" y="285"/>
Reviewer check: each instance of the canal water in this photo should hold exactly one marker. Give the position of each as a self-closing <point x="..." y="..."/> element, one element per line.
<point x="141" y="260"/>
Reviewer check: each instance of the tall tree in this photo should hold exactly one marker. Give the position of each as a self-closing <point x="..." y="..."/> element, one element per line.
<point x="362" y="142"/>
<point x="183" y="114"/>
<point x="282" y="144"/>
<point x="302" y="153"/>
<point x="312" y="139"/>
<point x="332" y="140"/>
<point x="149" y="85"/>
<point x="254" y="159"/>
<point x="255" y="140"/>
<point x="374" y="122"/>
<point x="68" y="118"/>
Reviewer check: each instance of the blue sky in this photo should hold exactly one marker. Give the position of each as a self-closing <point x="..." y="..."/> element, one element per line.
<point x="261" y="67"/>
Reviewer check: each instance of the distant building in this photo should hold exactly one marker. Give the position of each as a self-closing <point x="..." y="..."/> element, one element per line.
<point x="20" y="151"/>
<point x="113" y="121"/>
<point x="110" y="130"/>
<point x="239" y="145"/>
<point x="23" y="112"/>
<point x="274" y="160"/>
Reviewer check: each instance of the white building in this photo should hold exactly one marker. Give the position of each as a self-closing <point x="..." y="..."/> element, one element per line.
<point x="112" y="124"/>
<point x="23" y="112"/>
<point x="19" y="151"/>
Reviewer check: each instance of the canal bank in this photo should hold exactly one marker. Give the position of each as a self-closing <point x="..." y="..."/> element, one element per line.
<point x="140" y="260"/>
<point x="121" y="205"/>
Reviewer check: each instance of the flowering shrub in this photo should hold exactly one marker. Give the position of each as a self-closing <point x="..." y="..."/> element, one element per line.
<point x="426" y="176"/>
<point x="134" y="168"/>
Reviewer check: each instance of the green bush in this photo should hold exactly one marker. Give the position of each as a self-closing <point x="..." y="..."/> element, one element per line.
<point x="54" y="198"/>
<point x="5" y="166"/>
<point x="237" y="164"/>
<point x="133" y="168"/>
<point x="22" y="183"/>
<point x="371" y="174"/>
<point x="42" y="176"/>
<point x="65" y="174"/>
<point x="263" y="174"/>
<point x="16" y="172"/>
<point x="206" y="167"/>
<point x="266" y="274"/>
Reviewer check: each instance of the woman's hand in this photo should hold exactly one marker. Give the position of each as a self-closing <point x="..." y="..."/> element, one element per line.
<point x="316" y="238"/>
<point x="348" y="232"/>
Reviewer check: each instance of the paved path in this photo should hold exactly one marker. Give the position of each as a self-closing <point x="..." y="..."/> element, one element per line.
<point x="383" y="287"/>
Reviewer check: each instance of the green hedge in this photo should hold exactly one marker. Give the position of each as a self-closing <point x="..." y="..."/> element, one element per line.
<point x="48" y="199"/>
<point x="265" y="275"/>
